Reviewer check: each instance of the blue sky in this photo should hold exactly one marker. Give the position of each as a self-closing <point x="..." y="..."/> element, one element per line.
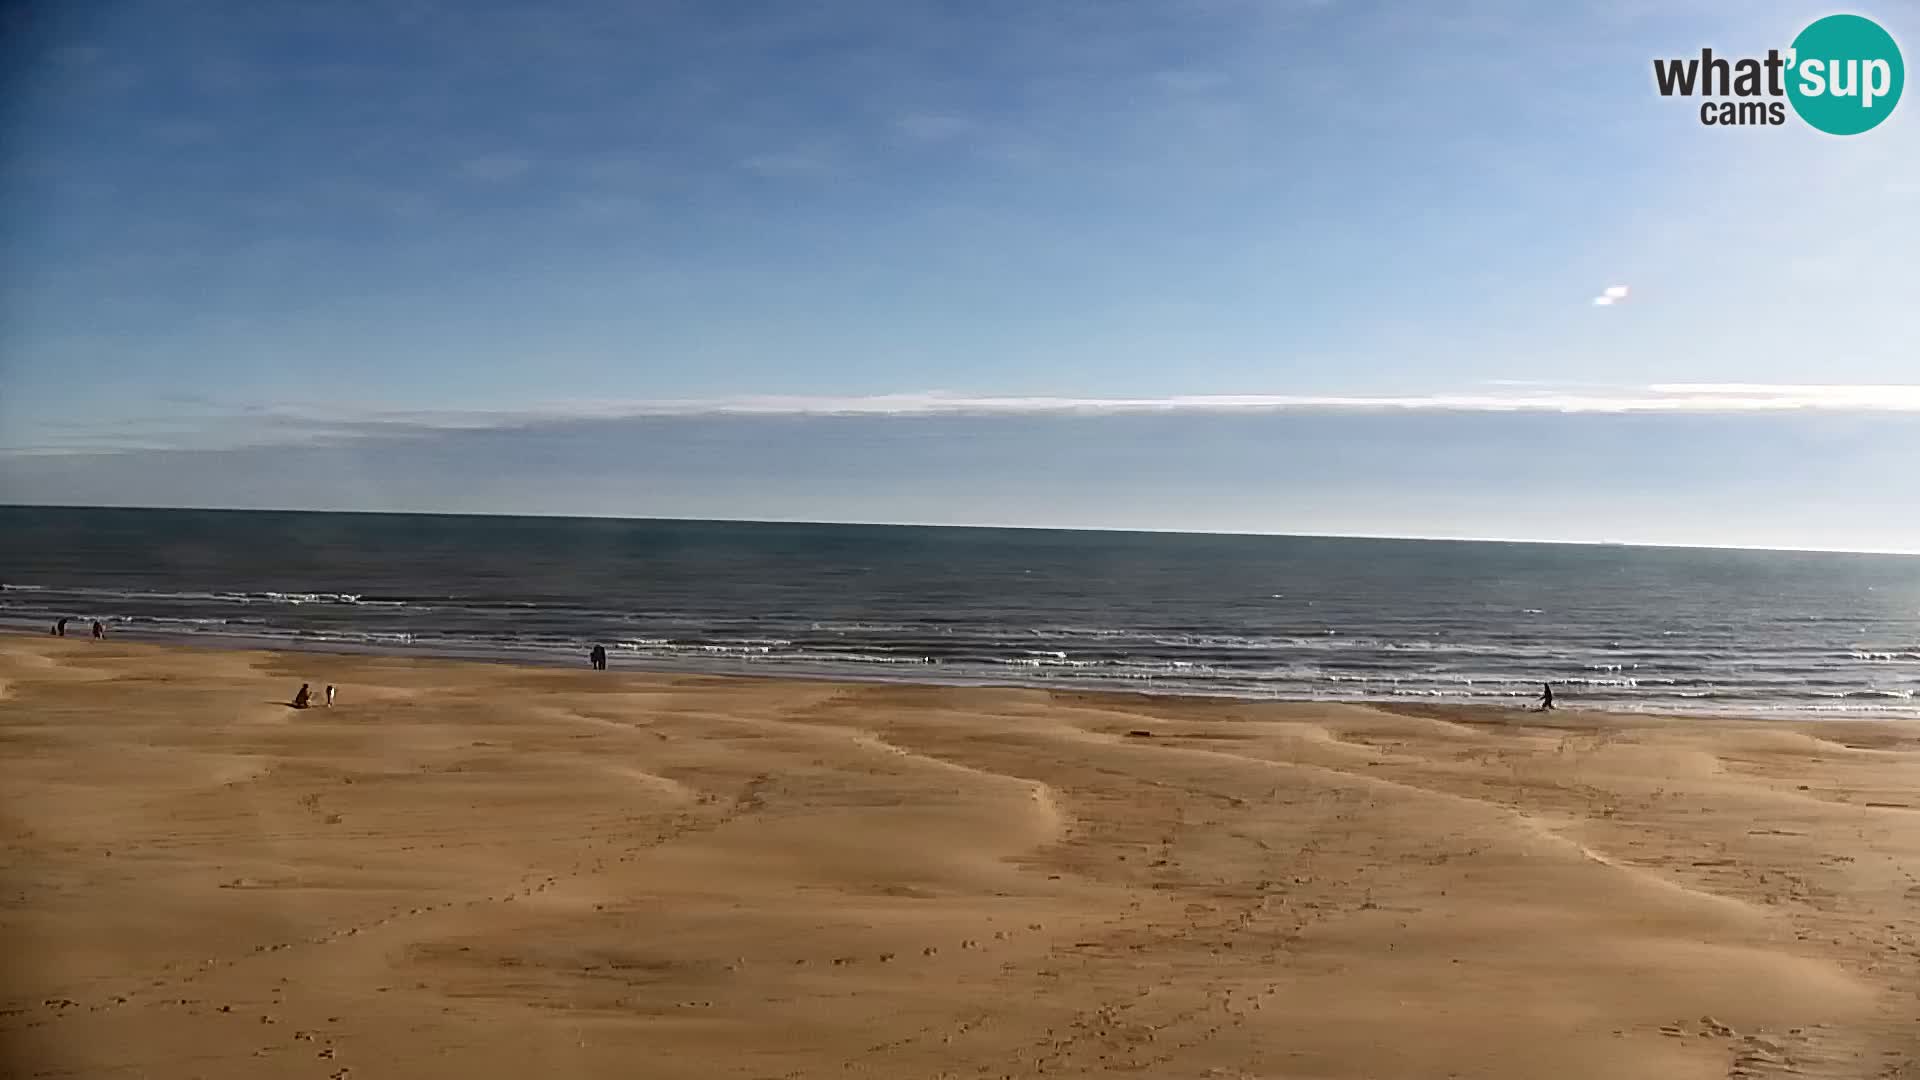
<point x="253" y="247"/>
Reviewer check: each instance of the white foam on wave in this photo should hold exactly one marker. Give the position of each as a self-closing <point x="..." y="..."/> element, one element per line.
<point x="858" y="658"/>
<point x="94" y="593"/>
<point x="838" y="627"/>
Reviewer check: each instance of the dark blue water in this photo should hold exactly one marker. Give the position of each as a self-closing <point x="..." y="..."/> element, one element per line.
<point x="1287" y="617"/>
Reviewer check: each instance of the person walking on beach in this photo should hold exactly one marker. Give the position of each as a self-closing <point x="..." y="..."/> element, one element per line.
<point x="598" y="658"/>
<point x="1546" y="697"/>
<point x="60" y="628"/>
<point x="329" y="695"/>
<point x="99" y="631"/>
<point x="301" y="699"/>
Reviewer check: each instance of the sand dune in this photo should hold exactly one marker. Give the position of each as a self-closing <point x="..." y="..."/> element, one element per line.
<point x="470" y="870"/>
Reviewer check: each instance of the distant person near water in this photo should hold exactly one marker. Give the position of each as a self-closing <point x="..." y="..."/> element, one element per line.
<point x="598" y="657"/>
<point x="305" y="697"/>
<point x="329" y="695"/>
<point x="1546" y="697"/>
<point x="60" y="628"/>
<point x="99" y="631"/>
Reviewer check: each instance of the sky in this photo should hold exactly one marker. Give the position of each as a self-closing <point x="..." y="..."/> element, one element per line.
<point x="1246" y="265"/>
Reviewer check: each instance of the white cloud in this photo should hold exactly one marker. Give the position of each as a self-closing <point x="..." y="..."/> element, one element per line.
<point x="238" y="425"/>
<point x="1662" y="398"/>
<point x="1752" y="396"/>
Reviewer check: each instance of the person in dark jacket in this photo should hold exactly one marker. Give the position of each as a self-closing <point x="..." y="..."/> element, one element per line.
<point x="598" y="657"/>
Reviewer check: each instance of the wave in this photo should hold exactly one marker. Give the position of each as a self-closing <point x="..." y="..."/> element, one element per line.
<point x="833" y="627"/>
<point x="166" y="621"/>
<point x="1868" y="695"/>
<point x="1614" y="655"/>
<point x="1248" y="673"/>
<point x="94" y="593"/>
<point x="859" y="658"/>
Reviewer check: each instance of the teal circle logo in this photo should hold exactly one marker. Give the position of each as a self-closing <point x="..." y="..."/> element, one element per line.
<point x="1845" y="74"/>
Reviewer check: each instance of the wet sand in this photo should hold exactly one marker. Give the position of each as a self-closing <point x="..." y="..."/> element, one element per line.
<point x="470" y="870"/>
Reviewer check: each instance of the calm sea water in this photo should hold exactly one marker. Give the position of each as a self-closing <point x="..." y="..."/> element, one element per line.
<point x="1285" y="617"/>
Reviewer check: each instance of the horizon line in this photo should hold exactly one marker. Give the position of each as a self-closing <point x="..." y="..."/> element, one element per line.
<point x="988" y="526"/>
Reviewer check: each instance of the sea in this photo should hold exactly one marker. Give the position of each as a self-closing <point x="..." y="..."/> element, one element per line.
<point x="1267" y="617"/>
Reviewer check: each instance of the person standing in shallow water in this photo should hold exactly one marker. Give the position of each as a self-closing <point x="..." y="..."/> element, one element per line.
<point x="1546" y="697"/>
<point x="598" y="658"/>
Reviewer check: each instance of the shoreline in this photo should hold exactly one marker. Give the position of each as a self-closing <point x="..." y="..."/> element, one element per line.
<point x="480" y="870"/>
<point x="793" y="671"/>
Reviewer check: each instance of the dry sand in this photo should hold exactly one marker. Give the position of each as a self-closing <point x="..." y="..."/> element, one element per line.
<point x="468" y="870"/>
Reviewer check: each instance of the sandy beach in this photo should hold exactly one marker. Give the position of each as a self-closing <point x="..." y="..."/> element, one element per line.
<point x="471" y="870"/>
